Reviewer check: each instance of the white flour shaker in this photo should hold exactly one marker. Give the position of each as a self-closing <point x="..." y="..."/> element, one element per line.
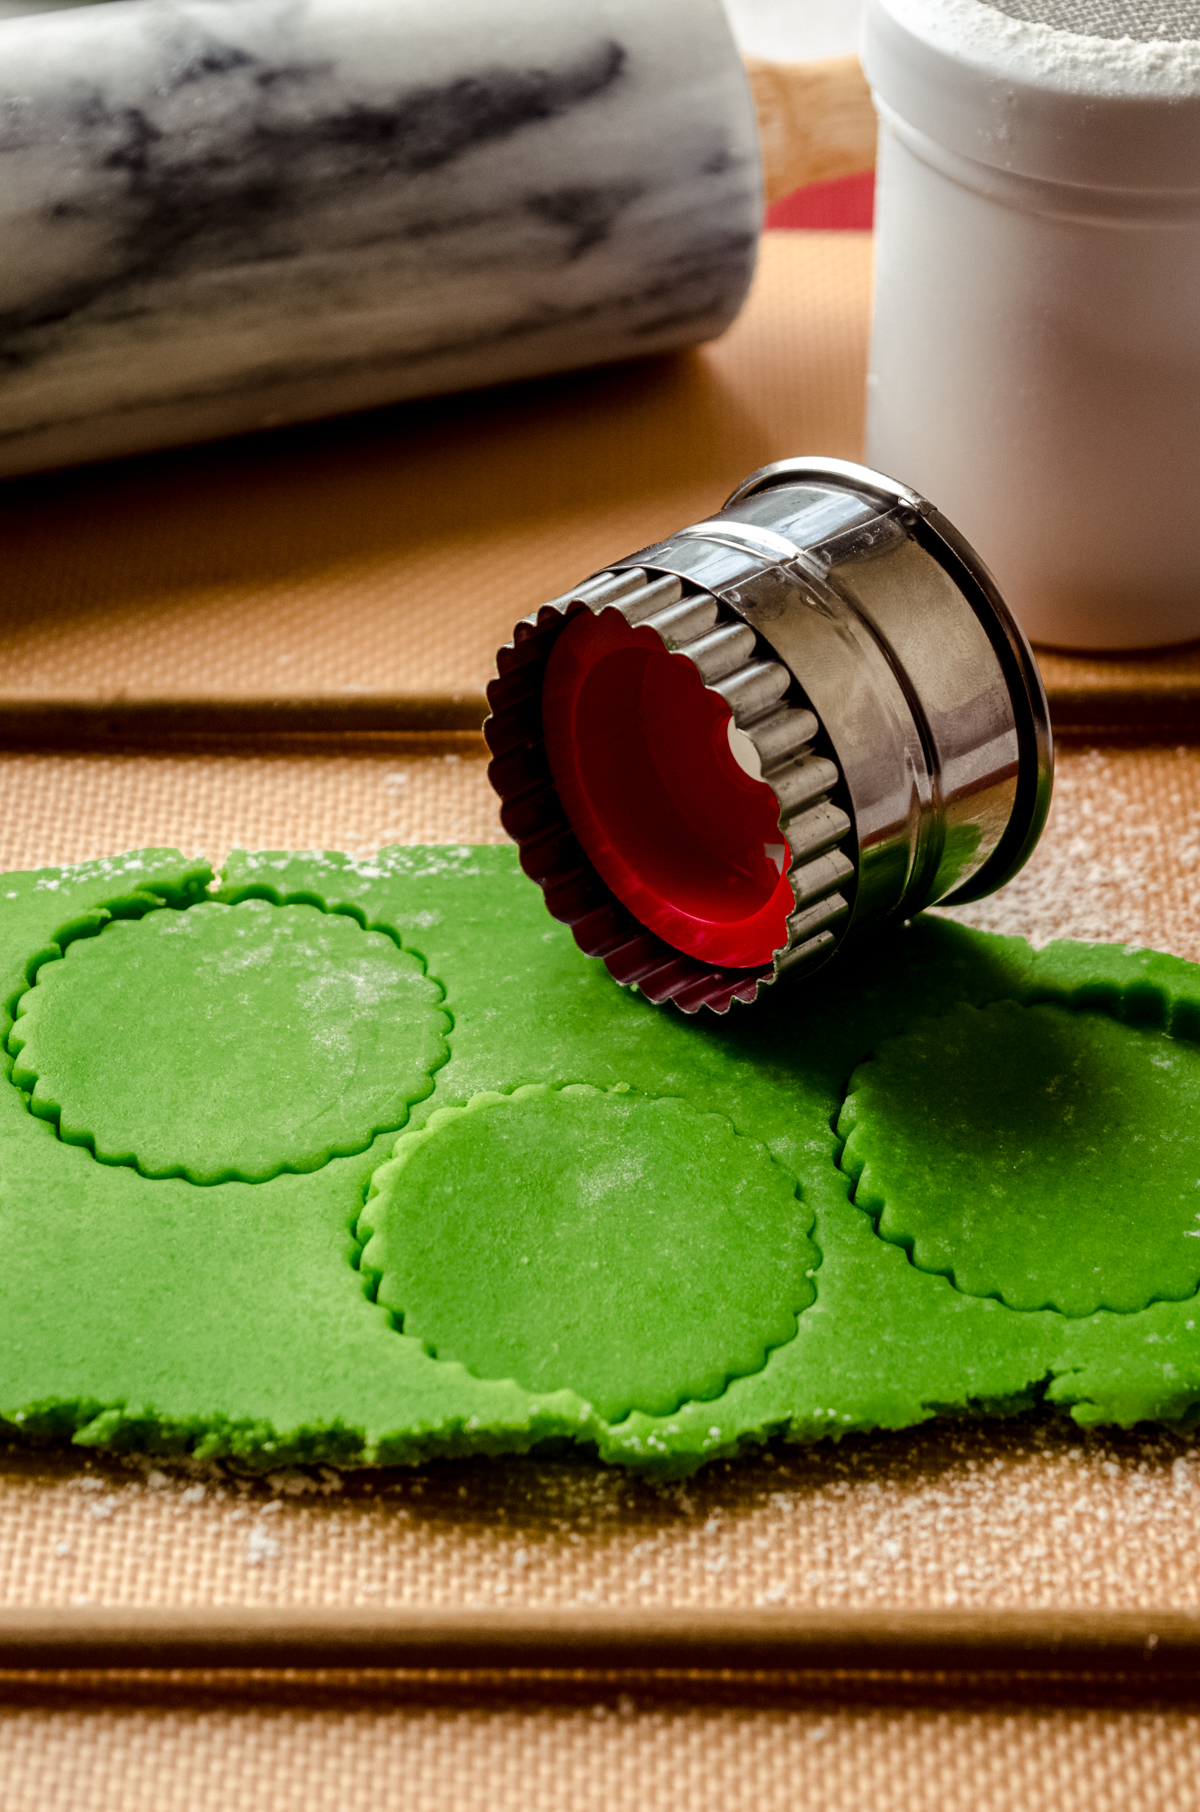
<point x="1036" y="355"/>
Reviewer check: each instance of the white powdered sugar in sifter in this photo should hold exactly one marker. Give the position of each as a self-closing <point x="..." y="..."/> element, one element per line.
<point x="1036" y="357"/>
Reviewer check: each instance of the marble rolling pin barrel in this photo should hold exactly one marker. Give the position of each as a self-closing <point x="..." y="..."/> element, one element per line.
<point x="223" y="215"/>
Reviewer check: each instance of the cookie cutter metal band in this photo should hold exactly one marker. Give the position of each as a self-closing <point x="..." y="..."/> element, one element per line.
<point x="876" y="626"/>
<point x="903" y="647"/>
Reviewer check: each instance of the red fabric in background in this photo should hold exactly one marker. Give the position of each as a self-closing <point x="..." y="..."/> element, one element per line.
<point x="848" y="202"/>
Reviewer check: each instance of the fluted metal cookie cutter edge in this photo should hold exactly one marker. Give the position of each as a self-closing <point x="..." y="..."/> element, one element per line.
<point x="894" y="705"/>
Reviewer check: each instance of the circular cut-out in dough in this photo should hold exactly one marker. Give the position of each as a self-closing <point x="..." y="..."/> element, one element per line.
<point x="622" y="1246"/>
<point x="1046" y="1157"/>
<point x="228" y="1042"/>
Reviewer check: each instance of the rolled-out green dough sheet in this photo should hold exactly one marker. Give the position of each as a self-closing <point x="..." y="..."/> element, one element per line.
<point x="602" y="1220"/>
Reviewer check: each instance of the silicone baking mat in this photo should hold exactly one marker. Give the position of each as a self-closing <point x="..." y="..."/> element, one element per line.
<point x="362" y="573"/>
<point x="389" y="556"/>
<point x="378" y="563"/>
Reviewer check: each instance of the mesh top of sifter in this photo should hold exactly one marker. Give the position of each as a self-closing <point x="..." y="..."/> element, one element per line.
<point x="1145" y="21"/>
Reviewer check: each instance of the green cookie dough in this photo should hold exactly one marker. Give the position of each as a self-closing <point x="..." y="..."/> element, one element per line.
<point x="249" y="1318"/>
<point x="632" y="1250"/>
<point x="1048" y="1158"/>
<point x="228" y="1042"/>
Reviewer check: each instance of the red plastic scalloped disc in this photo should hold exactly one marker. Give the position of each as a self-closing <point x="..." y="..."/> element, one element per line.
<point x="640" y="752"/>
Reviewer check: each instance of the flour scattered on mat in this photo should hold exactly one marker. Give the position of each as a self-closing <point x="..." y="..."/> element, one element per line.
<point x="1103" y="869"/>
<point x="260" y="1546"/>
<point x="1023" y="1513"/>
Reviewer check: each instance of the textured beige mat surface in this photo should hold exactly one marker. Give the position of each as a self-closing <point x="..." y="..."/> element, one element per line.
<point x="380" y="562"/>
<point x="392" y="554"/>
<point x="70" y="806"/>
<point x="1121" y="858"/>
<point x="362" y="1760"/>
<point x="1022" y="1515"/>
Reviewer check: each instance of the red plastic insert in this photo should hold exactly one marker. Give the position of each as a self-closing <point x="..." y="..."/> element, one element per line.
<point x="640" y="753"/>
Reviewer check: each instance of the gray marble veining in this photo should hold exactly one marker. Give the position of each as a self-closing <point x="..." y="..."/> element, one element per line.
<point x="218" y="215"/>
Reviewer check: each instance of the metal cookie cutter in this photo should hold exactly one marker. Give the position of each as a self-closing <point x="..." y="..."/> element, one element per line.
<point x="727" y="757"/>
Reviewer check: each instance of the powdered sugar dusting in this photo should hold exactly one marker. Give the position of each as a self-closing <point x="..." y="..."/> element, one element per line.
<point x="1119" y="861"/>
<point x="1067" y="62"/>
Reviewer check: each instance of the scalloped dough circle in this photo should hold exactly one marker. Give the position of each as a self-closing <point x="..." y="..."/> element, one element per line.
<point x="225" y="1042"/>
<point x="1046" y="1157"/>
<point x="615" y="1244"/>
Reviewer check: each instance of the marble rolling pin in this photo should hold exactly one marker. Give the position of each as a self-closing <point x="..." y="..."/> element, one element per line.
<point x="223" y="215"/>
